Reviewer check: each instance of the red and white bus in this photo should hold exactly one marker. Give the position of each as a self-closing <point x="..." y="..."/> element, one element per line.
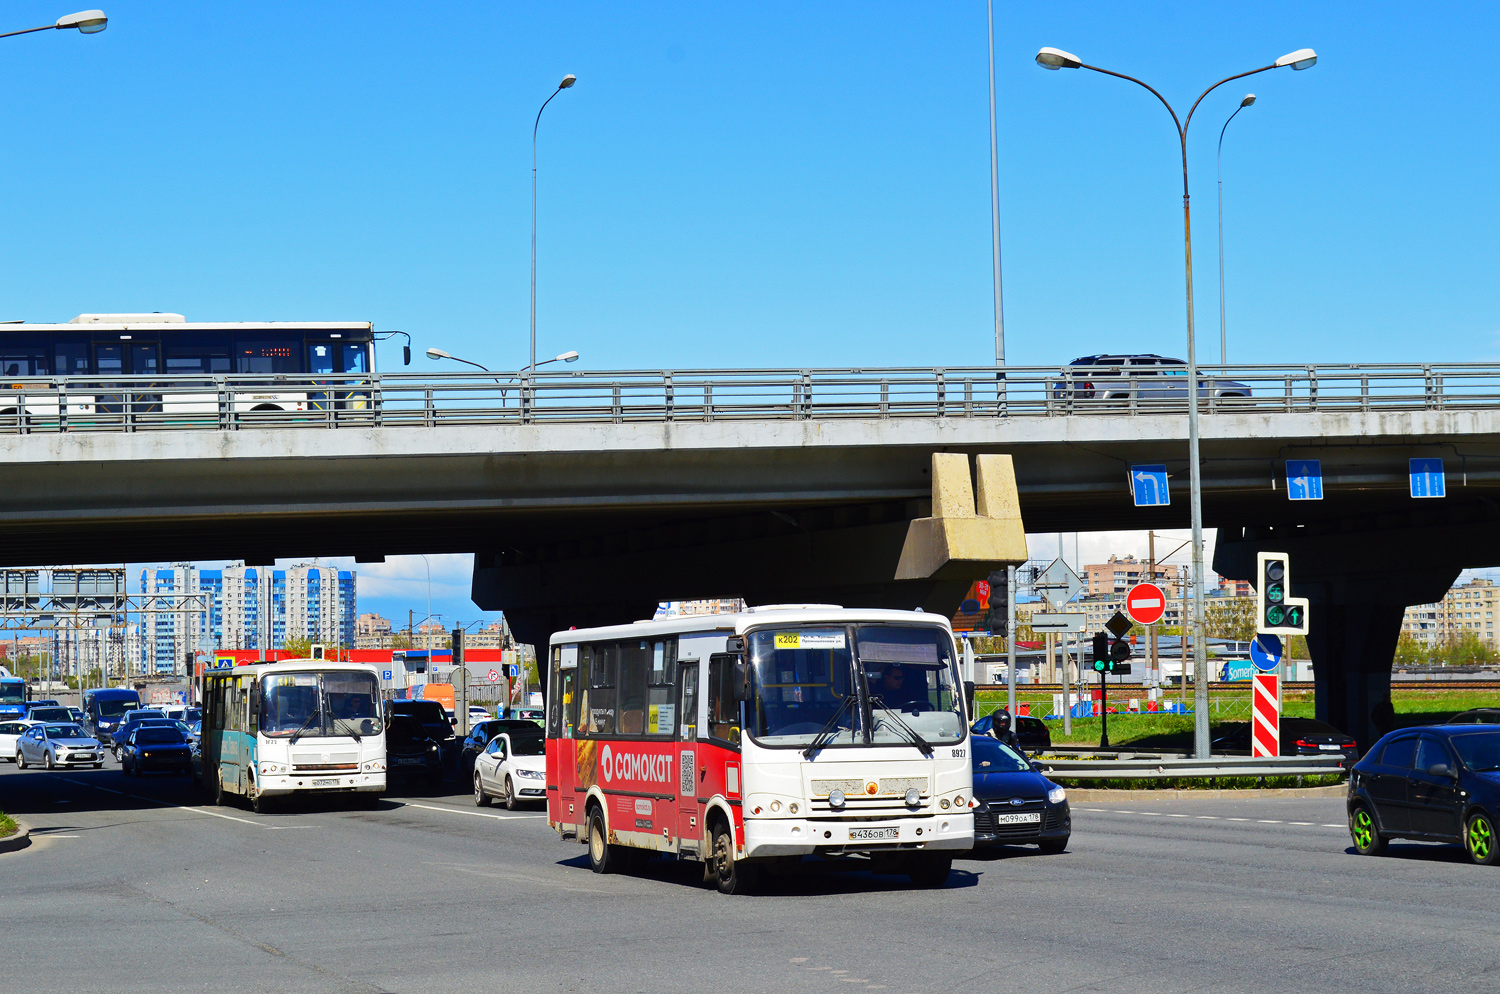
<point x="765" y="736"/>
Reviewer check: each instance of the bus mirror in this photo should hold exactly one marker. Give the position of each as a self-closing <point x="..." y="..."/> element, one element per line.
<point x="969" y="695"/>
<point x="741" y="681"/>
<point x="734" y="644"/>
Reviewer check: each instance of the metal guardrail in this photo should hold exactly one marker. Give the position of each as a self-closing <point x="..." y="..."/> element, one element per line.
<point x="231" y="402"/>
<point x="1216" y="766"/>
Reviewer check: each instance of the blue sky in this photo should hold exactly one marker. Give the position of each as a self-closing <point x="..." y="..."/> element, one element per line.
<point x="761" y="184"/>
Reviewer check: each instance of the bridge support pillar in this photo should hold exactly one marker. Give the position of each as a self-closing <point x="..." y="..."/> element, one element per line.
<point x="1358" y="582"/>
<point x="1352" y="646"/>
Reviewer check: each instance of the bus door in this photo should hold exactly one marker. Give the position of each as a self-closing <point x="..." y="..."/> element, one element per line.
<point x="689" y="811"/>
<point x="125" y="356"/>
<point x="329" y="357"/>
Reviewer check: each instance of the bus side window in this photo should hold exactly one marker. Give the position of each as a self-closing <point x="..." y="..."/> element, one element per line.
<point x="602" y="677"/>
<point x="723" y="713"/>
<point x="253" y="724"/>
<point x="634" y="658"/>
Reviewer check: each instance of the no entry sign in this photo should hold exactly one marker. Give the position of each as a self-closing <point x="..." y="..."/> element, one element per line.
<point x="1145" y="603"/>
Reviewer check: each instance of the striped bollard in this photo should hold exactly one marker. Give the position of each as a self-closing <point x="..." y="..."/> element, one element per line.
<point x="1265" y="715"/>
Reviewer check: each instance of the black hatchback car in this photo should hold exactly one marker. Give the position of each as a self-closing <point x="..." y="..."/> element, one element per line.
<point x="411" y="750"/>
<point x="155" y="747"/>
<point x="1434" y="784"/>
<point x="1013" y="803"/>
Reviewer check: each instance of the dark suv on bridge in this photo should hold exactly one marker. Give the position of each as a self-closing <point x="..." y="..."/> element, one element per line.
<point x="1147" y="377"/>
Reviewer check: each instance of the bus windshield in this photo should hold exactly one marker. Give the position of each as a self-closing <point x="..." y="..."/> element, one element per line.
<point x="114" y="707"/>
<point x="12" y="691"/>
<point x="806" y="686"/>
<point x="336" y="702"/>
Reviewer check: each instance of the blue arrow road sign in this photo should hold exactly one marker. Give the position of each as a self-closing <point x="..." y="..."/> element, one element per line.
<point x="1304" y="479"/>
<point x="1427" y="478"/>
<point x="1265" y="652"/>
<point x="1148" y="485"/>
<point x="515" y="670"/>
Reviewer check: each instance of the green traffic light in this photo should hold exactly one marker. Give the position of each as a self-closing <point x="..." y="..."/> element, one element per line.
<point x="1274" y="616"/>
<point x="1099" y="666"/>
<point x="1294" y="617"/>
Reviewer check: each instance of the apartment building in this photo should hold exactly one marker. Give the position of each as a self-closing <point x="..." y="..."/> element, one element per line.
<point x="1466" y="609"/>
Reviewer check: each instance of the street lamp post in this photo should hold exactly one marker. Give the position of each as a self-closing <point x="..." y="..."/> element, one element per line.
<point x="87" y="22"/>
<point x="1224" y="334"/>
<point x="1305" y="58"/>
<point x="567" y="81"/>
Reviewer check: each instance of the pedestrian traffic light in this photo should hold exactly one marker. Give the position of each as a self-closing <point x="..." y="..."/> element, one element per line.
<point x="1101" y="652"/>
<point x="1277" y="613"/>
<point x="998" y="617"/>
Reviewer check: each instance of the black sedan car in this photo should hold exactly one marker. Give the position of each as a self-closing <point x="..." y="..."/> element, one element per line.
<point x="1299" y="737"/>
<point x="126" y="728"/>
<point x="1476" y="716"/>
<point x="411" y="750"/>
<point x="1031" y="733"/>
<point x="155" y="748"/>
<point x="480" y="735"/>
<point x="1014" y="804"/>
<point x="1435" y="784"/>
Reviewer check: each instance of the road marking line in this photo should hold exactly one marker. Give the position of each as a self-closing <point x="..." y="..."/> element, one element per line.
<point x="1096" y="811"/>
<point x="1208" y="817"/>
<point x="1153" y="814"/>
<point x="1333" y="826"/>
<point x="1176" y="816"/>
<point x="1306" y="824"/>
<point x="1267" y="821"/>
<point x="461" y="811"/>
<point x="188" y="807"/>
<point x="1236" y="819"/>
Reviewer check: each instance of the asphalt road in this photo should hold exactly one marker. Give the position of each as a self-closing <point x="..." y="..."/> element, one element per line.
<point x="137" y="885"/>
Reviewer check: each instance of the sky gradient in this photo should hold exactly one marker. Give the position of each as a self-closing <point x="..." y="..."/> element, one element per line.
<point x="767" y="184"/>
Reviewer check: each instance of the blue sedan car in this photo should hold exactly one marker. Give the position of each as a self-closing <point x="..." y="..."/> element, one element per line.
<point x="1435" y="784"/>
<point x="1014" y="804"/>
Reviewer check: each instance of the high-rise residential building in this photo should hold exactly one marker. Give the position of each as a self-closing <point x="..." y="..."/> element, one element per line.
<point x="186" y="609"/>
<point x="1119" y="575"/>
<point x="1465" y="609"/>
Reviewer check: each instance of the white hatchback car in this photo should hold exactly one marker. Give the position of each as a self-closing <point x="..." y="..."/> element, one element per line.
<point x="513" y="768"/>
<point x="10" y="732"/>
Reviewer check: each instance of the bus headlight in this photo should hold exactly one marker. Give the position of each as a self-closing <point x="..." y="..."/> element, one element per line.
<point x="374" y="765"/>
<point x="270" y="768"/>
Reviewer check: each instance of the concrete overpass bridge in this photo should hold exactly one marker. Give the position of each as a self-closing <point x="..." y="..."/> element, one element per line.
<point x="589" y="497"/>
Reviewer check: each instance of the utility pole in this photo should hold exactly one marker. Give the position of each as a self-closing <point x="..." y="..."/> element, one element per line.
<point x="1153" y="675"/>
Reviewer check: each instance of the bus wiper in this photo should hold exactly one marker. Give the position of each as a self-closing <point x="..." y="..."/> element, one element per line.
<point x="829" y="730"/>
<point x="306" y="722"/>
<point x="895" y="717"/>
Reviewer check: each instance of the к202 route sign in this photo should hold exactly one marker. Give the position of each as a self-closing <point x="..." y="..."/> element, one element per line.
<point x="1145" y="603"/>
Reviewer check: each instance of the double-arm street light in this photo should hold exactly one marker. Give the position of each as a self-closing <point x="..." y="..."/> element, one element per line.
<point x="1305" y="58"/>
<point x="567" y="81"/>
<point x="1223" y="333"/>
<point x="88" y="22"/>
<point x="440" y="354"/>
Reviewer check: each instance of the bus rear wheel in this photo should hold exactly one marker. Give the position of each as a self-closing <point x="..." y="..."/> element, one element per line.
<point x="603" y="857"/>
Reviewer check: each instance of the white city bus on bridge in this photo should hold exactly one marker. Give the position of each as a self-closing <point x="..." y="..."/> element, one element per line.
<point x="764" y="736"/>
<point x="161" y="367"/>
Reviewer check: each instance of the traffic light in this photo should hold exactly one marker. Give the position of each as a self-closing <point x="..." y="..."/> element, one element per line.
<point x="998" y="616"/>
<point x="1101" y="652"/>
<point x="1277" y="613"/>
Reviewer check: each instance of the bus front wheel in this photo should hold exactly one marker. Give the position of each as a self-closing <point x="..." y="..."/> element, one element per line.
<point x="930" y="871"/>
<point x="733" y="876"/>
<point x="220" y="797"/>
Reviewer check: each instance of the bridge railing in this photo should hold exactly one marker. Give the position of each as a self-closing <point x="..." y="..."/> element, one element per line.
<point x="233" y="402"/>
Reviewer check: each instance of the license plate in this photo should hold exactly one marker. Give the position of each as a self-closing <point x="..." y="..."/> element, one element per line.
<point x="1331" y="747"/>
<point x="408" y="762"/>
<point x="330" y="782"/>
<point x="873" y="834"/>
<point x="1019" y="818"/>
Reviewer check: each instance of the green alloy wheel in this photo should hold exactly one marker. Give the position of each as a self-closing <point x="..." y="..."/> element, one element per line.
<point x="1367" y="839"/>
<point x="1480" y="841"/>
